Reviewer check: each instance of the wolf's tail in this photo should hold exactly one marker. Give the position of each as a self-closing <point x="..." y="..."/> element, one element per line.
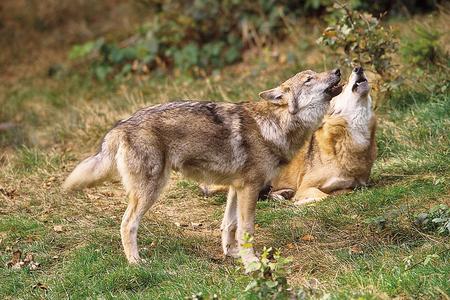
<point x="96" y="168"/>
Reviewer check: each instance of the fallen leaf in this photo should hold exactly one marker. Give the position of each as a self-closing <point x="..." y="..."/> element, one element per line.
<point x="290" y="246"/>
<point x="107" y="194"/>
<point x="58" y="228"/>
<point x="14" y="263"/>
<point x="308" y="238"/>
<point x="28" y="258"/>
<point x="16" y="256"/>
<point x="8" y="193"/>
<point x="195" y="225"/>
<point x="178" y="224"/>
<point x="34" y="266"/>
<point x="93" y="197"/>
<point x="17" y="263"/>
<point x="40" y="286"/>
<point x="356" y="249"/>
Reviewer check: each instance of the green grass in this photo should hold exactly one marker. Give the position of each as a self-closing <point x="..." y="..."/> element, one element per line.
<point x="62" y="120"/>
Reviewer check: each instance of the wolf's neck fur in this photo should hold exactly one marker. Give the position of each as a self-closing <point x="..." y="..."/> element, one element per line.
<point x="287" y="132"/>
<point x="357" y="113"/>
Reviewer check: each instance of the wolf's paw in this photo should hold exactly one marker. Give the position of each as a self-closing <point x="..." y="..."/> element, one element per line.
<point x="283" y="194"/>
<point x="135" y="260"/>
<point x="307" y="200"/>
<point x="231" y="251"/>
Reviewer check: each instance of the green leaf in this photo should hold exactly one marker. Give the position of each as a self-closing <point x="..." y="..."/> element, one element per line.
<point x="253" y="266"/>
<point x="271" y="284"/>
<point x="252" y="284"/>
<point x="79" y="51"/>
<point x="102" y="71"/>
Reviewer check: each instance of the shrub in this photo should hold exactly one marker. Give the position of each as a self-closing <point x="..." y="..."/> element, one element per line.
<point x="268" y="277"/>
<point x="358" y="38"/>
<point x="437" y="219"/>
<point x="196" y="36"/>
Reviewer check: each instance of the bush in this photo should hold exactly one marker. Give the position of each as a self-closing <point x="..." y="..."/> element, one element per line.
<point x="358" y="38"/>
<point x="196" y="36"/>
<point x="268" y="277"/>
<point x="437" y="219"/>
<point x="200" y="36"/>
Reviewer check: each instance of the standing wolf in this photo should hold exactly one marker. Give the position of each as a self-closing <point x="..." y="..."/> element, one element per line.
<point x="241" y="145"/>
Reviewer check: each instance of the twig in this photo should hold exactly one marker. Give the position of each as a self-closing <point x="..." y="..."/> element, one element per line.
<point x="347" y="11"/>
<point x="427" y="236"/>
<point x="422" y="260"/>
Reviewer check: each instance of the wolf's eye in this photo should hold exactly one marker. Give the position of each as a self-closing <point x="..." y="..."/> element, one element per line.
<point x="308" y="79"/>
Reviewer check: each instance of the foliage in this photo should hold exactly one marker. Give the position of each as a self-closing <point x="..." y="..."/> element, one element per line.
<point x="423" y="50"/>
<point x="200" y="36"/>
<point x="269" y="276"/>
<point x="196" y="36"/>
<point x="437" y="219"/>
<point x="359" y="38"/>
<point x="394" y="6"/>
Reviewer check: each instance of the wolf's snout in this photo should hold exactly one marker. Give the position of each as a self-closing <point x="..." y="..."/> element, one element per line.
<point x="336" y="72"/>
<point x="358" y="70"/>
<point x="334" y="88"/>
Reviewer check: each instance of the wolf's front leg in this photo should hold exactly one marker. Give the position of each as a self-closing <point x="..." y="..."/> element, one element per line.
<point x="247" y="197"/>
<point x="229" y="225"/>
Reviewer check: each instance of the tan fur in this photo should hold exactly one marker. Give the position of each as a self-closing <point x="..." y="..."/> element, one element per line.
<point x="332" y="161"/>
<point x="240" y="145"/>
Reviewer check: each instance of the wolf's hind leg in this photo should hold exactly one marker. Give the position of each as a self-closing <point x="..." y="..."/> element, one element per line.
<point x="229" y="225"/>
<point x="143" y="187"/>
<point x="138" y="205"/>
<point x="309" y="195"/>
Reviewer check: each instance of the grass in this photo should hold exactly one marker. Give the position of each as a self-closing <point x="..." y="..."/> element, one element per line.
<point x="61" y="120"/>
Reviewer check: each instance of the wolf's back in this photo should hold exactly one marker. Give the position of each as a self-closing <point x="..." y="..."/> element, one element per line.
<point x="96" y="168"/>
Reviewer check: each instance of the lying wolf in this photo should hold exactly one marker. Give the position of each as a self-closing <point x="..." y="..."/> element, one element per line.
<point x="340" y="154"/>
<point x="239" y="145"/>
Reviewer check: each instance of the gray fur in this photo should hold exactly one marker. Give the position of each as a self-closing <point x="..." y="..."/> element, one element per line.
<point x="241" y="145"/>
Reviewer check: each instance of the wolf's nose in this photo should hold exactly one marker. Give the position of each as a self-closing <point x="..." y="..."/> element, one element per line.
<point x="358" y="70"/>
<point x="337" y="72"/>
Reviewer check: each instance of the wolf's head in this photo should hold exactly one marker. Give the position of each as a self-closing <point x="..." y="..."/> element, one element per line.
<point x="354" y="94"/>
<point x="306" y="89"/>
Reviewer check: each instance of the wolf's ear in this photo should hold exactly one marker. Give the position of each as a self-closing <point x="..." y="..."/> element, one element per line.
<point x="272" y="94"/>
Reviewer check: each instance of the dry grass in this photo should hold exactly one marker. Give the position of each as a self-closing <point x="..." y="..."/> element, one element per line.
<point x="62" y="120"/>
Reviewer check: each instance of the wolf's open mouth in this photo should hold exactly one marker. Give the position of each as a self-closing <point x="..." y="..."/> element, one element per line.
<point x="335" y="89"/>
<point x="360" y="80"/>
